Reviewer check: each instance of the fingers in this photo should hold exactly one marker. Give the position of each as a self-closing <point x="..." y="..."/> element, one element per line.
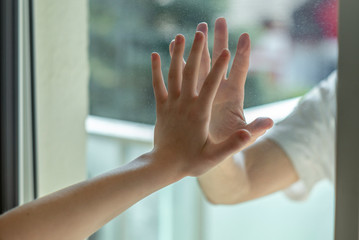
<point x="210" y="86"/>
<point x="171" y="48"/>
<point x="159" y="87"/>
<point x="191" y="70"/>
<point x="231" y="145"/>
<point x="259" y="126"/>
<point x="220" y="38"/>
<point x="206" y="58"/>
<point x="175" y="71"/>
<point x="238" y="73"/>
<point x="203" y="27"/>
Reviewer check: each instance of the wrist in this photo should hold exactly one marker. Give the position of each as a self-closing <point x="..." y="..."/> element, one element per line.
<point x="163" y="163"/>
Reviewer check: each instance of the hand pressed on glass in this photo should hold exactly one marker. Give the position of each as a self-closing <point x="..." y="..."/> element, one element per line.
<point x="183" y="147"/>
<point x="183" y="114"/>
<point x="227" y="114"/>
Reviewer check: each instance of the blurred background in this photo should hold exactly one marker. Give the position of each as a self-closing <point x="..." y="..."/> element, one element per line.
<point x="294" y="46"/>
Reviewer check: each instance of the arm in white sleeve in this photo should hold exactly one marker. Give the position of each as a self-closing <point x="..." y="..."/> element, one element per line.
<point x="307" y="136"/>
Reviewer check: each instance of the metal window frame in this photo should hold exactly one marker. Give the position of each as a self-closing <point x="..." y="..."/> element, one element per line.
<point x="9" y="66"/>
<point x="347" y="165"/>
<point x="18" y="179"/>
<point x="33" y="96"/>
<point x="27" y="121"/>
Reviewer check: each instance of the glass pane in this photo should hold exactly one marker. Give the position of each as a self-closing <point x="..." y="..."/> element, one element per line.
<point x="294" y="46"/>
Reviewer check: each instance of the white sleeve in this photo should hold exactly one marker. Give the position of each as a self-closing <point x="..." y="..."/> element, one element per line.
<point x="307" y="136"/>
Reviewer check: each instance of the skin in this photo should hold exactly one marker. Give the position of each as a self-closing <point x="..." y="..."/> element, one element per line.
<point x="264" y="167"/>
<point x="182" y="147"/>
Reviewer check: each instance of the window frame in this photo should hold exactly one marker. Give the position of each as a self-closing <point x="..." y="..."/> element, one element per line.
<point x="27" y="116"/>
<point x="347" y="181"/>
<point x="347" y="164"/>
<point x="18" y="125"/>
<point x="9" y="183"/>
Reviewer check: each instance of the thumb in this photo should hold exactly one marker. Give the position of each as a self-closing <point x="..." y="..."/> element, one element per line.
<point x="231" y="145"/>
<point x="259" y="126"/>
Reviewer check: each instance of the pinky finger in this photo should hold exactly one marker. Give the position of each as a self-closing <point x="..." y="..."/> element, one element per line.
<point x="159" y="87"/>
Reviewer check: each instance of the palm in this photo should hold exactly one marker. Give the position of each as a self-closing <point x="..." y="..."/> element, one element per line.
<point x="227" y="114"/>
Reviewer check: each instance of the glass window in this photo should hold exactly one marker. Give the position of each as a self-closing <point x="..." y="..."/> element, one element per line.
<point x="294" y="46"/>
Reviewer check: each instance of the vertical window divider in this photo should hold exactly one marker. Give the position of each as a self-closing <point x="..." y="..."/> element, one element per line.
<point x="27" y="121"/>
<point x="347" y="166"/>
<point x="9" y="77"/>
<point x="33" y="95"/>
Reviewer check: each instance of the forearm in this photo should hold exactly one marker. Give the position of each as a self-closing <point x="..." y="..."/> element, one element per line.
<point x="227" y="183"/>
<point x="78" y="211"/>
<point x="264" y="169"/>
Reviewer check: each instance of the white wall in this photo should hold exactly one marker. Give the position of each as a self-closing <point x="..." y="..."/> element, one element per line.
<point x="62" y="74"/>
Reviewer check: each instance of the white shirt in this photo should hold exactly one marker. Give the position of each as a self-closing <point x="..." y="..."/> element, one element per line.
<point x="307" y="136"/>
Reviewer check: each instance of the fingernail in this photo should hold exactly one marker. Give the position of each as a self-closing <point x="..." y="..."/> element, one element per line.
<point x="199" y="35"/>
<point x="263" y="122"/>
<point x="225" y="52"/>
<point x="243" y="42"/>
<point x="221" y="19"/>
<point x="202" y="27"/>
<point x="179" y="38"/>
<point x="153" y="56"/>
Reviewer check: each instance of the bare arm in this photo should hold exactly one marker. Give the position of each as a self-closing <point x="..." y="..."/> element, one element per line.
<point x="78" y="211"/>
<point x="182" y="147"/>
<point x="264" y="168"/>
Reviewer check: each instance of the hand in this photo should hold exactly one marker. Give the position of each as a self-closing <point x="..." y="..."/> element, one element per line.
<point x="227" y="112"/>
<point x="183" y="115"/>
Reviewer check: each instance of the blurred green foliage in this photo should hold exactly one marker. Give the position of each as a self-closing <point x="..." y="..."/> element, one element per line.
<point x="122" y="36"/>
